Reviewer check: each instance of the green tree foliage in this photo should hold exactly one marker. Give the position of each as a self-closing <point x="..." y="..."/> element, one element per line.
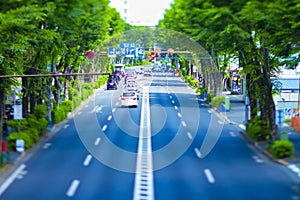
<point x="259" y="33"/>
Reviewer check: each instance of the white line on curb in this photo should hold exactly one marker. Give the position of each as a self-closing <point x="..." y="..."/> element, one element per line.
<point x="209" y="176"/>
<point x="87" y="160"/>
<point x="72" y="189"/>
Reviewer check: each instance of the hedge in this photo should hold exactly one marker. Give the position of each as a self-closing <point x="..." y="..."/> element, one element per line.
<point x="282" y="149"/>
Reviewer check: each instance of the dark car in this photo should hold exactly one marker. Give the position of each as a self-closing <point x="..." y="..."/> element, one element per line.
<point x="112" y="84"/>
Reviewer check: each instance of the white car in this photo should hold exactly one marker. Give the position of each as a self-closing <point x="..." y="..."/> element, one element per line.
<point x="129" y="99"/>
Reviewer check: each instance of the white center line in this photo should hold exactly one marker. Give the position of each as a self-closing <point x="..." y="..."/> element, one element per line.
<point x="173" y="101"/>
<point x="183" y="123"/>
<point x="72" y="189"/>
<point x="175" y="107"/>
<point x="109" y="117"/>
<point x="171" y="97"/>
<point x="87" y="160"/>
<point x="104" y="128"/>
<point x="209" y="176"/>
<point x="114" y="110"/>
<point x="179" y="115"/>
<point x="97" y="141"/>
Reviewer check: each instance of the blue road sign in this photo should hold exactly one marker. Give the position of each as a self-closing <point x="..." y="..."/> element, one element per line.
<point x="112" y="51"/>
<point x="139" y="52"/>
<point x="127" y="49"/>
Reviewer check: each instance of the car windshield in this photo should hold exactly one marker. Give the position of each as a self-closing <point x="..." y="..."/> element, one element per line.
<point x="128" y="94"/>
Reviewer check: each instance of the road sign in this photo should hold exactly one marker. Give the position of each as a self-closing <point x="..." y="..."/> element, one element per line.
<point x="17" y="112"/>
<point x="127" y="49"/>
<point x="20" y="145"/>
<point x="140" y="52"/>
<point x="112" y="52"/>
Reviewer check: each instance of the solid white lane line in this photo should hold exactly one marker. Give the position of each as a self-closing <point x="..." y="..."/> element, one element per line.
<point x="114" y="110"/>
<point x="189" y="135"/>
<point x="104" y="128"/>
<point x="175" y="107"/>
<point x="179" y="114"/>
<point x="11" y="178"/>
<point x="209" y="176"/>
<point x="73" y="187"/>
<point x="97" y="141"/>
<point x="109" y="117"/>
<point x="87" y="160"/>
<point x="198" y="153"/>
<point x="183" y="123"/>
<point x="66" y="126"/>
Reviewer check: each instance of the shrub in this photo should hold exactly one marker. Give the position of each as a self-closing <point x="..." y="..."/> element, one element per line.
<point x="76" y="101"/>
<point x="183" y="72"/>
<point x="11" y="140"/>
<point x="257" y="129"/>
<point x="282" y="149"/>
<point x="40" y="111"/>
<point x="68" y="104"/>
<point x="210" y="95"/>
<point x="39" y="124"/>
<point x="59" y="114"/>
<point x="217" y="101"/>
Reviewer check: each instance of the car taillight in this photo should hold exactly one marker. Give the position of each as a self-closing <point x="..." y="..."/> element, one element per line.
<point x="134" y="98"/>
<point x="122" y="98"/>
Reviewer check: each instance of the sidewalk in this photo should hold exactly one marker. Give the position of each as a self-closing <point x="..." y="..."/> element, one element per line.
<point x="237" y="116"/>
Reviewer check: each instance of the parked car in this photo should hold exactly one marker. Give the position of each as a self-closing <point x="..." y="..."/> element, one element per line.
<point x="129" y="99"/>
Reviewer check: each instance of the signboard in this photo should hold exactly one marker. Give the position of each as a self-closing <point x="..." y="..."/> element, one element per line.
<point x="17" y="112"/>
<point x="139" y="52"/>
<point x="112" y="52"/>
<point x="20" y="145"/>
<point x="127" y="49"/>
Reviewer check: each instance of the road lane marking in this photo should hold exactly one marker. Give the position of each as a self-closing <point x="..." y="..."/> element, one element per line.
<point x="257" y="159"/>
<point x="97" y="141"/>
<point x="175" y="107"/>
<point x="11" y="178"/>
<point x="209" y="176"/>
<point x="242" y="126"/>
<point x="143" y="185"/>
<point x="46" y="145"/>
<point x="66" y="126"/>
<point x="179" y="114"/>
<point x="109" y="117"/>
<point x="232" y="134"/>
<point x="79" y="113"/>
<point x="114" y="110"/>
<point x="104" y="128"/>
<point x="220" y="122"/>
<point x="209" y="111"/>
<point x="183" y="123"/>
<point x="117" y="103"/>
<point x="189" y="135"/>
<point x="173" y="101"/>
<point x="198" y="153"/>
<point x="87" y="160"/>
<point x="171" y="97"/>
<point x="73" y="187"/>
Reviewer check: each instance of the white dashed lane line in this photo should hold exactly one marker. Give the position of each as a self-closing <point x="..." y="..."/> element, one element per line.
<point x="46" y="145"/>
<point x="175" y="107"/>
<point x="87" y="160"/>
<point x="114" y="110"/>
<point x="209" y="176"/>
<point x="198" y="153"/>
<point x="232" y="134"/>
<point x="183" y="123"/>
<point x="173" y="101"/>
<point x="109" y="117"/>
<point x="179" y="114"/>
<point x="189" y="135"/>
<point x="104" y="128"/>
<point x="171" y="97"/>
<point x="73" y="187"/>
<point x="97" y="141"/>
<point x="66" y="126"/>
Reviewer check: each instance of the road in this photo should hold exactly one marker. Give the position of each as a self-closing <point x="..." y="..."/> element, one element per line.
<point x="172" y="146"/>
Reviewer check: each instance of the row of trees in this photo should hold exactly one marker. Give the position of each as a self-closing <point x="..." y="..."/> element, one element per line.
<point x="257" y="32"/>
<point x="42" y="36"/>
